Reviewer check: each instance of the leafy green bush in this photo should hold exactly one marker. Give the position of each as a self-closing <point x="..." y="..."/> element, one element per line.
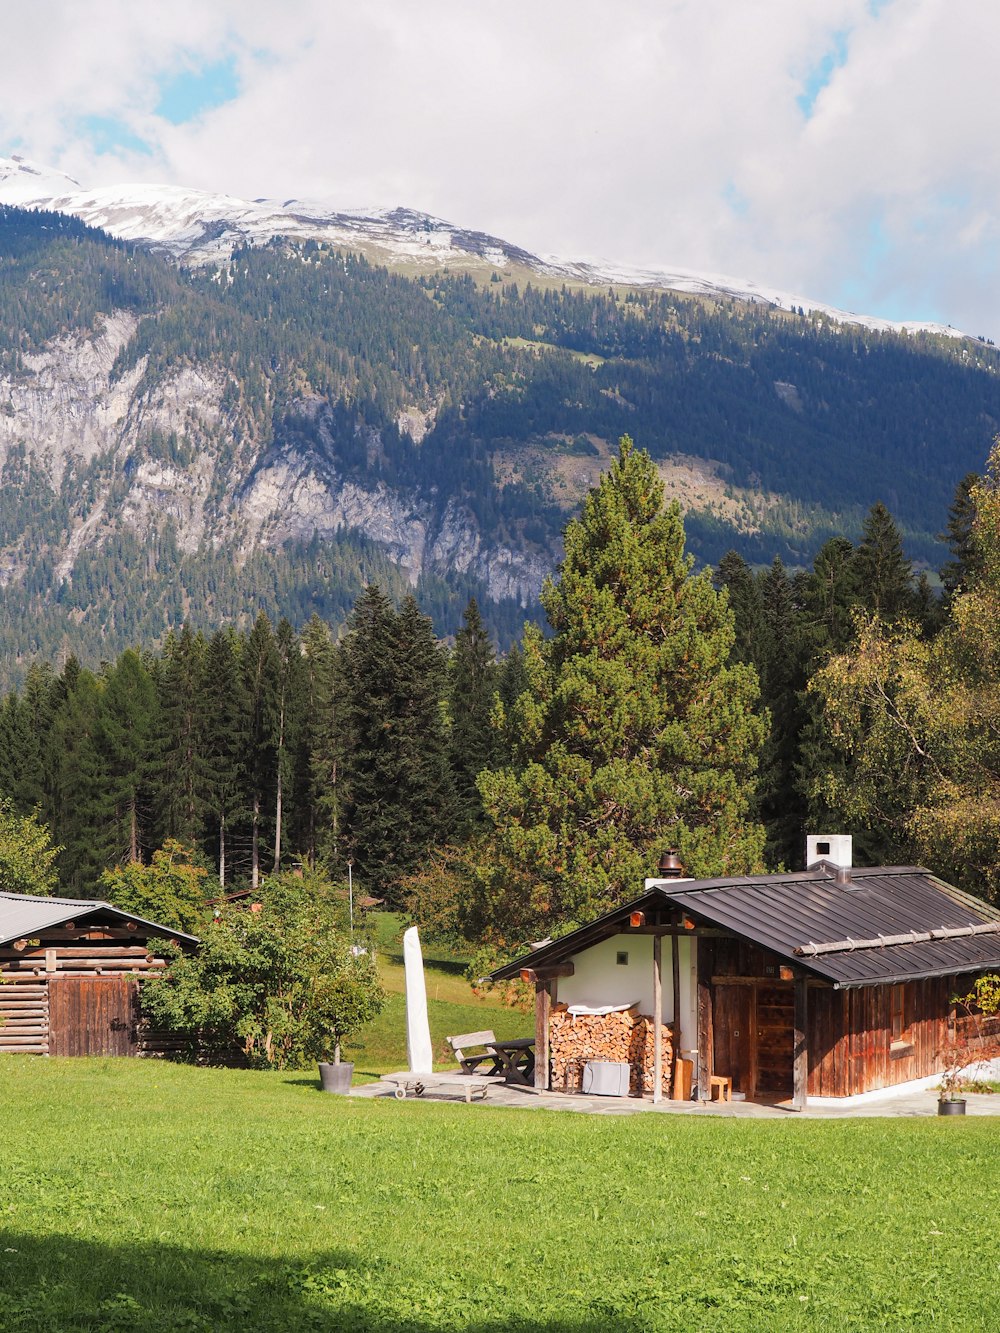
<point x="276" y="981"/>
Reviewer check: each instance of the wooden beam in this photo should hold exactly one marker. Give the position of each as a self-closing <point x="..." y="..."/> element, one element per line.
<point x="699" y="932"/>
<point x="657" y="1018"/>
<point x="675" y="965"/>
<point x="705" y="1033"/>
<point x="547" y="972"/>
<point x="543" y="999"/>
<point x="800" y="1046"/>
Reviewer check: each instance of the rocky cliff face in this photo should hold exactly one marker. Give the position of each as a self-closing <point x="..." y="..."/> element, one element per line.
<point x="129" y="455"/>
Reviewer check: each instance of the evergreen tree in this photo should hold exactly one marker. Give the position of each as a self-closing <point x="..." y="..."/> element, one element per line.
<point x="76" y="803"/>
<point x="288" y="701"/>
<point x="183" y="776"/>
<point x="399" y="799"/>
<point x="734" y="574"/>
<point x="966" y="563"/>
<point x="635" y="732"/>
<point x="125" y="735"/>
<point x="884" y="574"/>
<point x="225" y="744"/>
<point x="472" y="686"/>
<point x="261" y="669"/>
<point x="323" y="743"/>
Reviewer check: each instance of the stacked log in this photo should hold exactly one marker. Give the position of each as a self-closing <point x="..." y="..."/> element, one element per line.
<point x="625" y="1037"/>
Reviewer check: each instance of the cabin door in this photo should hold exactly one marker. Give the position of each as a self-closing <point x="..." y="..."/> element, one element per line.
<point x="753" y="1025"/>
<point x="93" y="1016"/>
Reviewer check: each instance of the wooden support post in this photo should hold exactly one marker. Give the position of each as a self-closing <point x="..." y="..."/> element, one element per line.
<point x="800" y="1046"/>
<point x="675" y="964"/>
<point x="705" y="1033"/>
<point x="657" y="1019"/>
<point x="543" y="997"/>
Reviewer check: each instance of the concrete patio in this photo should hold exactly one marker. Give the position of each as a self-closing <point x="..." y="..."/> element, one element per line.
<point x="919" y="1103"/>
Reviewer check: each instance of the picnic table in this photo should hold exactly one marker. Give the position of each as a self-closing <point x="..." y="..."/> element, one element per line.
<point x="515" y="1060"/>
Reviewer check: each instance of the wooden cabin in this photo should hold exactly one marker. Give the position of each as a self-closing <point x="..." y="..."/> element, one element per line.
<point x="71" y="972"/>
<point x="830" y="983"/>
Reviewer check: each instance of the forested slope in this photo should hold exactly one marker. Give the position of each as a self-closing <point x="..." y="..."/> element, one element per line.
<point x="276" y="432"/>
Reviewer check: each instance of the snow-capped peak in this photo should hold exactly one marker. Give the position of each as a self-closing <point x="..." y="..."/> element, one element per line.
<point x="200" y="227"/>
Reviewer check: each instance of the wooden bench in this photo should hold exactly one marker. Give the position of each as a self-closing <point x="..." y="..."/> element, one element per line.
<point x="470" y="1061"/>
<point x="418" y="1084"/>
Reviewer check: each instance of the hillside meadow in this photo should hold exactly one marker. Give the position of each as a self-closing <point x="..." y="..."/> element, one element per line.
<point x="149" y="1196"/>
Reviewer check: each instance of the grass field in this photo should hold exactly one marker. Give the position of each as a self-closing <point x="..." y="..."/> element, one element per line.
<point x="452" y="1006"/>
<point x="147" y="1196"/>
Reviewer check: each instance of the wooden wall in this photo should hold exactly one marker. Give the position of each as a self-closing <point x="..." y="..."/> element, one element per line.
<point x="850" y="1036"/>
<point x="79" y="1019"/>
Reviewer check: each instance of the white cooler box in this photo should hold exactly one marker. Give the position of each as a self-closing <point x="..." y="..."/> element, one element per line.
<point x="605" y="1078"/>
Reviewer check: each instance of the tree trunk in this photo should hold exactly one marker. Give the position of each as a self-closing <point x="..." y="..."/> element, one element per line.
<point x="222" y="852"/>
<point x="255" y="851"/>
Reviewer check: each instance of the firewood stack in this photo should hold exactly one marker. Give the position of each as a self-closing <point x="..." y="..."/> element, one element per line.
<point x="623" y="1038"/>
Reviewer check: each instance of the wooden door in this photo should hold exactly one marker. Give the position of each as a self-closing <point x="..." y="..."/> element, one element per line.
<point x="93" y="1016"/>
<point x="774" y="1038"/>
<point x="753" y="1024"/>
<point x="732" y="1024"/>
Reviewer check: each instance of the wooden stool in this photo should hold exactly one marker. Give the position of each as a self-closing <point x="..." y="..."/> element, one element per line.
<point x="721" y="1084"/>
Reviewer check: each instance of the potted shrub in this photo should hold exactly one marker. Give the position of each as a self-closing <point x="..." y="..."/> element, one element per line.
<point x="972" y="1038"/>
<point x="351" y="998"/>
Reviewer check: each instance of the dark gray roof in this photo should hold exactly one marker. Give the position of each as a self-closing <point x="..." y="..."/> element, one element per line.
<point x="23" y="916"/>
<point x="783" y="913"/>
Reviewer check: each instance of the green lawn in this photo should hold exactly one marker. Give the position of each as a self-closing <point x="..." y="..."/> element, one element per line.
<point x="148" y="1196"/>
<point x="452" y="1006"/>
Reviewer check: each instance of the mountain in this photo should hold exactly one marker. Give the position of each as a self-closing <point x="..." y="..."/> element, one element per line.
<point x="229" y="406"/>
<point x="198" y="227"/>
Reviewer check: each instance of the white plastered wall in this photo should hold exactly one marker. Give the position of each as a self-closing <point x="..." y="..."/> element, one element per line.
<point x="598" y="978"/>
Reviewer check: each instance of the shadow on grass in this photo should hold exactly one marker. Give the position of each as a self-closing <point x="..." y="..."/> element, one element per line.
<point x="454" y="967"/>
<point x="60" y="1284"/>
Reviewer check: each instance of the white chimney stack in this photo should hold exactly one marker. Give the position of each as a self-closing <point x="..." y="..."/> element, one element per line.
<point x="836" y="848"/>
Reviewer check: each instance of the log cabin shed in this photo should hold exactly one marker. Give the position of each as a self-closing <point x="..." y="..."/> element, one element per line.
<point x="71" y="971"/>
<point x="834" y="982"/>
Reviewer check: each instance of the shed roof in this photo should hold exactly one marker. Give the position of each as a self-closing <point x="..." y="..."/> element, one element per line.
<point x="788" y="913"/>
<point x="23" y="916"/>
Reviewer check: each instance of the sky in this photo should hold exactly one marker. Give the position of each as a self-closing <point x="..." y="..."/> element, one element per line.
<point x="842" y="149"/>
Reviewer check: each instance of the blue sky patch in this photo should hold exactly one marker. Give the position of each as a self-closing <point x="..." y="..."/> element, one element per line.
<point x="736" y="200"/>
<point x="107" y="134"/>
<point x="187" y="95"/>
<point x="821" y="74"/>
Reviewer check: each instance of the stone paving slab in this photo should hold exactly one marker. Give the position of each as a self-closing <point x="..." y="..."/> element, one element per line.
<point x="919" y="1103"/>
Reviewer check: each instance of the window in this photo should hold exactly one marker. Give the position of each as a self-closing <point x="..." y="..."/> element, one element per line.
<point x="901" y="1018"/>
<point x="621" y="959"/>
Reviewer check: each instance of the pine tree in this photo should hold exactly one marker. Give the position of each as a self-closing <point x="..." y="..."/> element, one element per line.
<point x="966" y="563"/>
<point x="399" y="797"/>
<point x="636" y="734"/>
<point x="260" y="670"/>
<point x="125" y="735"/>
<point x="225" y="744"/>
<point x="884" y="574"/>
<point x="472" y="685"/>
<point x="322" y="748"/>
<point x="182" y="765"/>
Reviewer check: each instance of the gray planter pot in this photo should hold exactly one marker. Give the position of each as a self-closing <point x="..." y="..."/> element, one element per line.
<point x="336" y="1078"/>
<point x="956" y="1107"/>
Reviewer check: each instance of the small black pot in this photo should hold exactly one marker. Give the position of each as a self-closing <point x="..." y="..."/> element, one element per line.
<point x="957" y="1107"/>
<point x="336" y="1078"/>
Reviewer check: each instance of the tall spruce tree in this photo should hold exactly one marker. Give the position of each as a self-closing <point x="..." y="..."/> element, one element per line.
<point x="225" y="742"/>
<point x="399" y="799"/>
<point x="884" y="574"/>
<point x="183" y="776"/>
<point x="472" y="685"/>
<point x="966" y="562"/>
<point x="126" y="730"/>
<point x="636" y="733"/>
<point x="260" y="670"/>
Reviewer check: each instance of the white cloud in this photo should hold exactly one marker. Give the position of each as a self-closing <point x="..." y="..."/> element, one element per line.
<point x="645" y="131"/>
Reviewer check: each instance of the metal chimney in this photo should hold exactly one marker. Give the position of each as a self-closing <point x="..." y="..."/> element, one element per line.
<point x="671" y="866"/>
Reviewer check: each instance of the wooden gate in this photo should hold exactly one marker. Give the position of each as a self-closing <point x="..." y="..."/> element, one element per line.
<point x="753" y="1023"/>
<point x="93" y="1016"/>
